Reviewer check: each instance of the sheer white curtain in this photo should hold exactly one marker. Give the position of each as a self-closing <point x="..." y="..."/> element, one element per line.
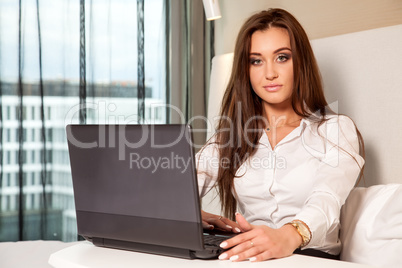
<point x="40" y="93"/>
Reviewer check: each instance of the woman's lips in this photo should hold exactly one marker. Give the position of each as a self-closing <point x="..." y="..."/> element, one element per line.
<point x="272" y="87"/>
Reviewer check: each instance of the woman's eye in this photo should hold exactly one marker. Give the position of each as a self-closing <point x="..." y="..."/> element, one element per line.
<point x="255" y="61"/>
<point x="283" y="57"/>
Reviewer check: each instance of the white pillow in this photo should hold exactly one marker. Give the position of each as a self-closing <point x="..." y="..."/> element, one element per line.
<point x="220" y="75"/>
<point x="371" y="229"/>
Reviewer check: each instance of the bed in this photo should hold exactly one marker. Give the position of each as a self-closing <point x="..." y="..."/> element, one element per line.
<point x="362" y="75"/>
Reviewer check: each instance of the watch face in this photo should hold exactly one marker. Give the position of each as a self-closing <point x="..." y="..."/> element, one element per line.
<point x="304" y="232"/>
<point x="303" y="229"/>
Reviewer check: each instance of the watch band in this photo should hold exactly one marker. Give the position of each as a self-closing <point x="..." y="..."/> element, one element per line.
<point x="303" y="230"/>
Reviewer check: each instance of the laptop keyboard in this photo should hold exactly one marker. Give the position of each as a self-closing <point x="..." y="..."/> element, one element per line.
<point x="214" y="240"/>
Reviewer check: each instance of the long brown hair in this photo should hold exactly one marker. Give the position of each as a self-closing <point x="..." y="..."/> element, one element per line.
<point x="240" y="103"/>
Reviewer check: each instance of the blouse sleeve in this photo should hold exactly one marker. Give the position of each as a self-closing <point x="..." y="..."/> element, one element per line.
<point x="207" y="163"/>
<point x="335" y="177"/>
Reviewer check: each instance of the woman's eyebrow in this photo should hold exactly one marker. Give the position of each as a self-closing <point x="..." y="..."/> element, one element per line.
<point x="282" y="48"/>
<point x="276" y="51"/>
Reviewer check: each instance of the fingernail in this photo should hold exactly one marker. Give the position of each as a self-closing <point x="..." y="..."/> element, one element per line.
<point x="228" y="226"/>
<point x="223" y="244"/>
<point x="223" y="256"/>
<point x="253" y="259"/>
<point x="237" y="230"/>
<point x="235" y="257"/>
<point x="237" y="213"/>
<point x="211" y="227"/>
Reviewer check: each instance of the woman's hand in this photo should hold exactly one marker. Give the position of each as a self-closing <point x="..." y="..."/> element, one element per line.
<point x="212" y="221"/>
<point x="260" y="242"/>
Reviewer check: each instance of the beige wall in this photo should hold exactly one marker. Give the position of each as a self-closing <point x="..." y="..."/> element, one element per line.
<point x="320" y="18"/>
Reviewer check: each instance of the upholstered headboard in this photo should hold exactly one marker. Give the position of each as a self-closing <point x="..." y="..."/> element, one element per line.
<point x="362" y="74"/>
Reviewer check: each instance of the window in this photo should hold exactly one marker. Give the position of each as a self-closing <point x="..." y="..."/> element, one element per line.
<point x="24" y="134"/>
<point x="111" y="78"/>
<point x="10" y="135"/>
<point x="6" y="135"/>
<point x="48" y="113"/>
<point x="24" y="113"/>
<point x="33" y="136"/>
<point x="8" y="180"/>
<point x="7" y="159"/>
<point x="33" y="113"/>
<point x="7" y="115"/>
<point x="24" y="157"/>
<point x="49" y="134"/>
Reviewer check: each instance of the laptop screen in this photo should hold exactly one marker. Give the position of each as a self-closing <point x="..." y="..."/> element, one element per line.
<point x="136" y="183"/>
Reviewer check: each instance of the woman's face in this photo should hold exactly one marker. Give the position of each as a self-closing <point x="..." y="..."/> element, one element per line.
<point x="271" y="66"/>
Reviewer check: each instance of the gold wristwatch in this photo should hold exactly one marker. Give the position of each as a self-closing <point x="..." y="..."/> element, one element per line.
<point x="303" y="230"/>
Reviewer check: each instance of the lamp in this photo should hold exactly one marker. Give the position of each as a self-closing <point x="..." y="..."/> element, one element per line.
<point x="212" y="10"/>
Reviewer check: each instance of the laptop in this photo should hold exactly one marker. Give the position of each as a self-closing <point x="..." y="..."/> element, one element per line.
<point x="135" y="188"/>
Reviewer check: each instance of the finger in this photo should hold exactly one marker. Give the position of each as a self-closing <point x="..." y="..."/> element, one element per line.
<point x="233" y="226"/>
<point x="244" y="224"/>
<point x="247" y="254"/>
<point x="240" y="252"/>
<point x="223" y="223"/>
<point x="266" y="255"/>
<point x="206" y="225"/>
<point x="238" y="239"/>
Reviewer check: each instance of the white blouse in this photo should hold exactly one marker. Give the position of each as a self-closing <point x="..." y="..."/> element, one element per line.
<point x="307" y="176"/>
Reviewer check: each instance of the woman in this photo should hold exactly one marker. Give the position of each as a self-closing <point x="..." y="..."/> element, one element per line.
<point x="280" y="156"/>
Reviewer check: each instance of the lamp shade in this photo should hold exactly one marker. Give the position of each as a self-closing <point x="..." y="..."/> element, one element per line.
<point x="212" y="10"/>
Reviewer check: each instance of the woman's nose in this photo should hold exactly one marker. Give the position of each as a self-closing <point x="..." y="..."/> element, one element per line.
<point x="270" y="73"/>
